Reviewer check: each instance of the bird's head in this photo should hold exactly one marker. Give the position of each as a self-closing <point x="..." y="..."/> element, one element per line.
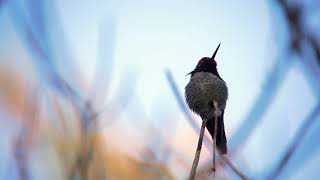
<point x="206" y="64"/>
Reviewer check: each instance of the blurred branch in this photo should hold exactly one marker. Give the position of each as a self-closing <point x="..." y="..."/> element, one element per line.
<point x="304" y="153"/>
<point x="294" y="16"/>
<point x="25" y="137"/>
<point x="104" y="63"/>
<point x="277" y="74"/>
<point x="36" y="39"/>
<point x="299" y="37"/>
<point x="296" y="142"/>
<point x="125" y="93"/>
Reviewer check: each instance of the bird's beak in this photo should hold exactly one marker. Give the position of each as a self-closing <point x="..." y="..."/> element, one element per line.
<point x="190" y="73"/>
<point x="215" y="52"/>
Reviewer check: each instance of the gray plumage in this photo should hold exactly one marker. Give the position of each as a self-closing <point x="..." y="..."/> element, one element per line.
<point x="206" y="94"/>
<point x="203" y="89"/>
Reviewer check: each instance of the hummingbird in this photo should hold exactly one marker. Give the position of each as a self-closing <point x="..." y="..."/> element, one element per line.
<point x="206" y="94"/>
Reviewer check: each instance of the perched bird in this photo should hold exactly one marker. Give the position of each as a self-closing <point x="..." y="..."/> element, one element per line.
<point x="206" y="95"/>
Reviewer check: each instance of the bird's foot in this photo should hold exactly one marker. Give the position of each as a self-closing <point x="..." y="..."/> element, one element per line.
<point x="212" y="170"/>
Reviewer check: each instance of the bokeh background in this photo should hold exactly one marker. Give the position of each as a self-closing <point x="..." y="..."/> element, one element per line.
<point x="94" y="89"/>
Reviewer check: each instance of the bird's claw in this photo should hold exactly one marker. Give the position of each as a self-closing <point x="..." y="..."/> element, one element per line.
<point x="212" y="170"/>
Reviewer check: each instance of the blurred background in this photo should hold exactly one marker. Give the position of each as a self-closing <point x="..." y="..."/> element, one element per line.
<point x="95" y="89"/>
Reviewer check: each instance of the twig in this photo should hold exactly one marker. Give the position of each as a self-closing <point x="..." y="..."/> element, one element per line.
<point x="197" y="155"/>
<point x="217" y="113"/>
<point x="229" y="163"/>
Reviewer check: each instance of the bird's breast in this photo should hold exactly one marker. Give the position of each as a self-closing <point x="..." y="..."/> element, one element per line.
<point x="203" y="89"/>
